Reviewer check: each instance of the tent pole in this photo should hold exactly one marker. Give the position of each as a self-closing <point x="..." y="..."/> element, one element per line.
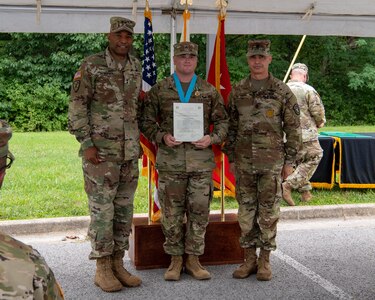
<point x="173" y="38"/>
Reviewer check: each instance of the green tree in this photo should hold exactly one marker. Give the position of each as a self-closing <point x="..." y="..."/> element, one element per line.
<point x="36" y="71"/>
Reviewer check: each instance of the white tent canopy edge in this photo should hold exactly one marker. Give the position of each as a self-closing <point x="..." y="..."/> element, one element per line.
<point x="329" y="17"/>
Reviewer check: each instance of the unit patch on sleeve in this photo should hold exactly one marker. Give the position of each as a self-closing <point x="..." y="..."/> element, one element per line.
<point x="296" y="109"/>
<point x="76" y="85"/>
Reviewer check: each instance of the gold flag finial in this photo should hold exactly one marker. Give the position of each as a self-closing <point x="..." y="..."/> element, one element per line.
<point x="186" y="2"/>
<point x="222" y="5"/>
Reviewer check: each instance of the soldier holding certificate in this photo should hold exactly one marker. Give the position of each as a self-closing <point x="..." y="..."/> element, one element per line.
<point x="178" y="113"/>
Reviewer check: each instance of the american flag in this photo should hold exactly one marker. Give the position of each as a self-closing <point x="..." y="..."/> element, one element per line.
<point x="149" y="76"/>
<point x="148" y="65"/>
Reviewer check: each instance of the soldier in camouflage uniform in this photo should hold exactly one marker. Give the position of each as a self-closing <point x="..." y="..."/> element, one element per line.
<point x="23" y="272"/>
<point x="261" y="108"/>
<point x="103" y="115"/>
<point x="5" y="154"/>
<point x="312" y="117"/>
<point x="185" y="182"/>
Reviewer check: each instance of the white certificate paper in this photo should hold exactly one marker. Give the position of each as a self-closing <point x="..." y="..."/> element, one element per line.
<point x="188" y="121"/>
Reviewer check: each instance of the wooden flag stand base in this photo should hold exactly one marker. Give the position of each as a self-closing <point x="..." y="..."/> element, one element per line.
<point x="222" y="243"/>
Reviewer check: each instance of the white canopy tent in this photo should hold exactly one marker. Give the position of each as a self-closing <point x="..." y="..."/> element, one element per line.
<point x="294" y="17"/>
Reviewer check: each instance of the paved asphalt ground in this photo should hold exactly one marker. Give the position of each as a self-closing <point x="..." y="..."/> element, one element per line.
<point x="323" y="253"/>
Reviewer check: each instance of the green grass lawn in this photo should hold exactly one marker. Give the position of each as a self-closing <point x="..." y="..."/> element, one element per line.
<point x="46" y="180"/>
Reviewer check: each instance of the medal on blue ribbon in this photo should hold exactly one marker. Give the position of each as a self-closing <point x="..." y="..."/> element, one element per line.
<point x="184" y="98"/>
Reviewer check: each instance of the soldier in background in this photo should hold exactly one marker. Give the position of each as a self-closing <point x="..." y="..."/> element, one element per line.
<point x="261" y="108"/>
<point x="24" y="274"/>
<point x="103" y="116"/>
<point x="5" y="154"/>
<point x="184" y="168"/>
<point x="312" y="117"/>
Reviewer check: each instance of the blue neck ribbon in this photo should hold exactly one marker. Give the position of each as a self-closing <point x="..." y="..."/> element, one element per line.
<point x="184" y="98"/>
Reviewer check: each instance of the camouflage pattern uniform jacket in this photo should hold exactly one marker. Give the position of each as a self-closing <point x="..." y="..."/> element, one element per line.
<point x="312" y="109"/>
<point x="312" y="115"/>
<point x="258" y="120"/>
<point x="24" y="274"/>
<point x="104" y="106"/>
<point x="158" y="121"/>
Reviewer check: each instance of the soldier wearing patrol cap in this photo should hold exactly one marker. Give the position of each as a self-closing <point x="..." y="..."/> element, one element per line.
<point x="261" y="108"/>
<point x="103" y="116"/>
<point x="312" y="117"/>
<point x="184" y="167"/>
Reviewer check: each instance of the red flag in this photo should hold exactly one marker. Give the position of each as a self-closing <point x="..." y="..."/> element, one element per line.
<point x="148" y="80"/>
<point x="218" y="76"/>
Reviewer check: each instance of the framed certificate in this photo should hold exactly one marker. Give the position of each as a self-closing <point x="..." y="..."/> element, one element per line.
<point x="188" y="125"/>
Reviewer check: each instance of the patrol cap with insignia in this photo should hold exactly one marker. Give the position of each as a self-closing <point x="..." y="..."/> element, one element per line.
<point x="185" y="48"/>
<point x="119" y="24"/>
<point x="302" y="67"/>
<point x="259" y="47"/>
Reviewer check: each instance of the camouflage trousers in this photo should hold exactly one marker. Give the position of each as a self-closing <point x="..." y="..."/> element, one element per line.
<point x="258" y="197"/>
<point x="307" y="162"/>
<point x="110" y="187"/>
<point x="181" y="193"/>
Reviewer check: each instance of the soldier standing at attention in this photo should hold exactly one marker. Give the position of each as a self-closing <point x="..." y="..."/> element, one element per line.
<point x="103" y="116"/>
<point x="261" y="108"/>
<point x="312" y="117"/>
<point x="185" y="167"/>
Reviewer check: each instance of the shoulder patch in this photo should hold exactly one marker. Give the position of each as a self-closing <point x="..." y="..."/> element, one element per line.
<point x="78" y="75"/>
<point x="296" y="109"/>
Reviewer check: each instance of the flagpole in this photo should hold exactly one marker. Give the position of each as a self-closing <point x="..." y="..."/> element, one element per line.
<point x="173" y="39"/>
<point x="222" y="174"/>
<point x="149" y="194"/>
<point x="149" y="179"/>
<point x="295" y="57"/>
<point x="222" y="187"/>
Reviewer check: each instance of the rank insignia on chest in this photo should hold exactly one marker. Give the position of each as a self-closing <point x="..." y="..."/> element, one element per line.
<point x="270" y="113"/>
<point x="197" y="93"/>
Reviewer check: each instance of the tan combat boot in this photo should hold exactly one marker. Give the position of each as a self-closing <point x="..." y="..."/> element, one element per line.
<point x="287" y="194"/>
<point x="174" y="270"/>
<point x="306" y="196"/>
<point x="250" y="265"/>
<point x="121" y="273"/>
<point x="264" y="268"/>
<point x="104" y="277"/>
<point x="195" y="269"/>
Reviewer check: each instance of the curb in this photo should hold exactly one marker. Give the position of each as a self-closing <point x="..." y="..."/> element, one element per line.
<point x="47" y="225"/>
<point x="327" y="211"/>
